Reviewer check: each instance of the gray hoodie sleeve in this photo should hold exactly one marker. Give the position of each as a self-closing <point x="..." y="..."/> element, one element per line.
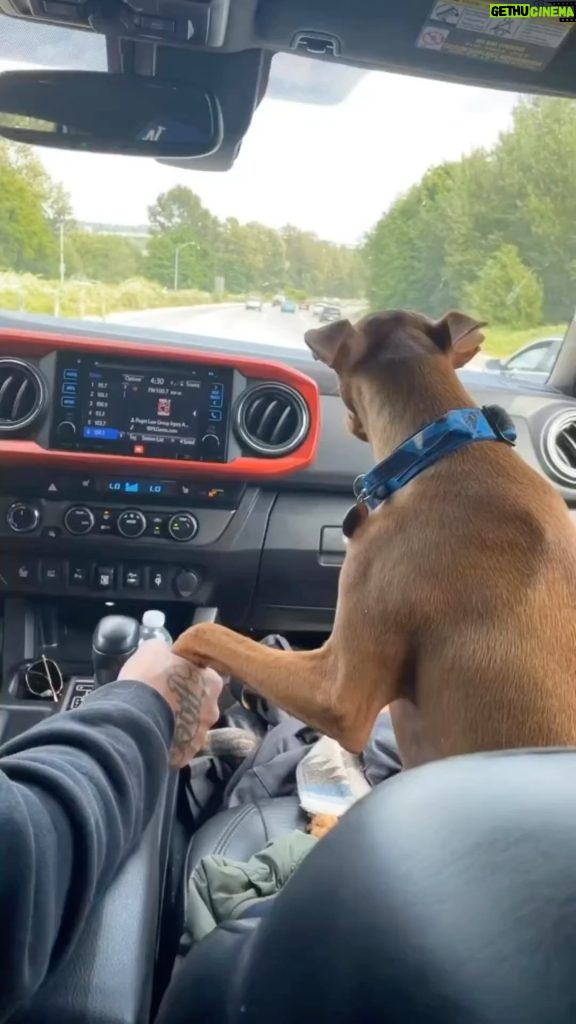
<point x="76" y="793"/>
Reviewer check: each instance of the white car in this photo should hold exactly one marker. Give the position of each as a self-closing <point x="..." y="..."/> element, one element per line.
<point x="254" y="304"/>
<point x="534" y="361"/>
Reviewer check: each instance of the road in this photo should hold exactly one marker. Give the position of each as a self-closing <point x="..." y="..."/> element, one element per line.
<point x="235" y="323"/>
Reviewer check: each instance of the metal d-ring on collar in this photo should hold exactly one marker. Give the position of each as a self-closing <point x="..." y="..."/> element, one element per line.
<point x="455" y="430"/>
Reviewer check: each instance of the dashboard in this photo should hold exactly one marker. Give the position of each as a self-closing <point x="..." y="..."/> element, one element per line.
<point x="197" y="472"/>
<point x="130" y="473"/>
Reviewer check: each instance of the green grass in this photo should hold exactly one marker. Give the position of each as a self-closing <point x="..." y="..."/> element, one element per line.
<point x="502" y="341"/>
<point x="31" y="294"/>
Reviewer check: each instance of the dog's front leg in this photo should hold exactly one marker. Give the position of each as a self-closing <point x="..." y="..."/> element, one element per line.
<point x="339" y="689"/>
<point x="301" y="682"/>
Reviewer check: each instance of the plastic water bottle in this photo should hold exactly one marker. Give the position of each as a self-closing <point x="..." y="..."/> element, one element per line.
<point x="153" y="627"/>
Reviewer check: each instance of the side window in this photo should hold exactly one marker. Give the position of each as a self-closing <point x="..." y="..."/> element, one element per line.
<point x="537" y="358"/>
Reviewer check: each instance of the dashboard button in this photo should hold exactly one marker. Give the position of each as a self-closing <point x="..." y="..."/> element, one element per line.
<point x="183" y="526"/>
<point x="157" y="579"/>
<point x="79" y="575"/>
<point x="132" y="578"/>
<point x="52" y="573"/>
<point x="211" y="442"/>
<point x="105" y="577"/>
<point x="51" y="532"/>
<point x="105" y="521"/>
<point x="186" y="583"/>
<point x="79" y="520"/>
<point x="66" y="431"/>
<point x="22" y="518"/>
<point x="156" y="526"/>
<point x="131" y="523"/>
<point x="26" y="571"/>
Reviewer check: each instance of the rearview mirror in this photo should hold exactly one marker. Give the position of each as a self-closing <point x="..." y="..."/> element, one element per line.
<point x="493" y="364"/>
<point x="105" y="113"/>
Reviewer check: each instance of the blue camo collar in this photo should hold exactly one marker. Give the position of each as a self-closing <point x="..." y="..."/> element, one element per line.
<point x="455" y="430"/>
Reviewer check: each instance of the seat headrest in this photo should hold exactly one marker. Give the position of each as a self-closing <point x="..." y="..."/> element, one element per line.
<point x="447" y="895"/>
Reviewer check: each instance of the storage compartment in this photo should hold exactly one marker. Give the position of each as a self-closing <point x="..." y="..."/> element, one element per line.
<point x="303" y="553"/>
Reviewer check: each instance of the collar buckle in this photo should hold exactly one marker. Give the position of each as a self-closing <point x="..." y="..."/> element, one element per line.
<point x="501" y="423"/>
<point x="358" y="489"/>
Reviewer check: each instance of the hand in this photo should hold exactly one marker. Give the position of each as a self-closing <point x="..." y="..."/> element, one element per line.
<point x="191" y="692"/>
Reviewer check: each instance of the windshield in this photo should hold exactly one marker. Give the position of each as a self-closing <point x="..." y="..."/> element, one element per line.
<point x="328" y="204"/>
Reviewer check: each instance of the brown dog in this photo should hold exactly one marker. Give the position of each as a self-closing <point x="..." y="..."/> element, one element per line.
<point x="457" y="597"/>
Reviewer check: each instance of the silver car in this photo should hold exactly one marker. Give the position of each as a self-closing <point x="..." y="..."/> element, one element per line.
<point x="535" y="361"/>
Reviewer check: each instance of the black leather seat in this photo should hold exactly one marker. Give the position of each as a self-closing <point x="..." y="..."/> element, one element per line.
<point x="447" y="896"/>
<point x="242" y="831"/>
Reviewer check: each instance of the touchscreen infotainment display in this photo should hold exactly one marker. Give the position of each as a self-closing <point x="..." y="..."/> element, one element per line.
<point x="171" y="411"/>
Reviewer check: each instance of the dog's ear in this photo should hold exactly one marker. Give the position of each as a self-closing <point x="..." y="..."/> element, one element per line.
<point x="459" y="336"/>
<point x="337" y="344"/>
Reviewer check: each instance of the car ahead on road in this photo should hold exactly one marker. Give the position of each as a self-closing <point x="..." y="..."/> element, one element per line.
<point x="304" y="305"/>
<point x="318" y="308"/>
<point x="254" y="304"/>
<point x="329" y="314"/>
<point x="278" y="300"/>
<point x="534" y="361"/>
<point x="288" y="306"/>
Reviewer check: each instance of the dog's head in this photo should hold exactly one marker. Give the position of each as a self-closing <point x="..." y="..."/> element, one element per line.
<point x="394" y="335"/>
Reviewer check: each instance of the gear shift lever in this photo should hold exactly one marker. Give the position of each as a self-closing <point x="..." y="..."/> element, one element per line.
<point x="114" y="640"/>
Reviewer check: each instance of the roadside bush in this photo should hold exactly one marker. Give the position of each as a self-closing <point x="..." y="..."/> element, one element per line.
<point x="77" y="298"/>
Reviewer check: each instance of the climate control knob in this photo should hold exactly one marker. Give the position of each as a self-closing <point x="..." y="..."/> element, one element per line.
<point x="182" y="526"/>
<point x="131" y="523"/>
<point x="79" y="520"/>
<point x="22" y="518"/>
<point x="186" y="583"/>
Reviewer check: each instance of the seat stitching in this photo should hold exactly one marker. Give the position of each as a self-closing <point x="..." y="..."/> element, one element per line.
<point x="229" y="831"/>
<point x="258" y="810"/>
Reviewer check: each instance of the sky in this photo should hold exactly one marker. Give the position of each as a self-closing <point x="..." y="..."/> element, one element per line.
<point x="329" y="169"/>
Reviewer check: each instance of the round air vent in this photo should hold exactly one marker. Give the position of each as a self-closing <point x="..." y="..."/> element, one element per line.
<point x="22" y="395"/>
<point x="559" y="446"/>
<point x="271" y="419"/>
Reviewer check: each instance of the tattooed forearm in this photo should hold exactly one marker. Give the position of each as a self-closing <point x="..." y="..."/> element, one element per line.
<point x="188" y="689"/>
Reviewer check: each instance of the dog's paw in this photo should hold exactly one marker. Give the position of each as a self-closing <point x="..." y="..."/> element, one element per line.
<point x="321" y="824"/>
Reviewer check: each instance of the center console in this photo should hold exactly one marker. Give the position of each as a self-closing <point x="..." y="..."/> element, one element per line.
<point x="134" y="472"/>
<point x="112" y="536"/>
<point x="132" y="476"/>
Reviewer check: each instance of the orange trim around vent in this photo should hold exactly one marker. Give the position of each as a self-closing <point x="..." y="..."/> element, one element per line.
<point x="28" y="453"/>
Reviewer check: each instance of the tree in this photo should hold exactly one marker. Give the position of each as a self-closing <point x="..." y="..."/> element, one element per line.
<point x="178" y="217"/>
<point x="250" y="257"/>
<point x="430" y="247"/>
<point x="26" y="239"/>
<point x="507" y="291"/>
<point x="102" y="257"/>
<point x="534" y="162"/>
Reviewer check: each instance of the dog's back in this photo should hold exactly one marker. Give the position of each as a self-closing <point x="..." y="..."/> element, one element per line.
<point x="496" y="633"/>
<point x="472" y="564"/>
